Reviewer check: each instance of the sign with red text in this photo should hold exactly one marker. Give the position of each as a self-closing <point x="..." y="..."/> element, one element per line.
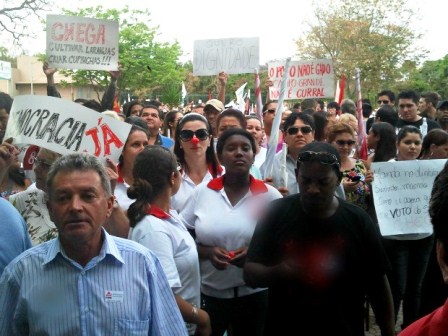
<point x="232" y="55"/>
<point x="306" y="79"/>
<point x="401" y="193"/>
<point x="65" y="127"/>
<point x="82" y="43"/>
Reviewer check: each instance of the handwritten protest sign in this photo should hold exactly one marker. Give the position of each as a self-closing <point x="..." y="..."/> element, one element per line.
<point x="401" y="193"/>
<point x="232" y="55"/>
<point x="306" y="79"/>
<point x="65" y="127"/>
<point x="82" y="43"/>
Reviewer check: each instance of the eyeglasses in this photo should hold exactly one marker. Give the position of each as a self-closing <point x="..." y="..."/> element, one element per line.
<point x="343" y="142"/>
<point x="303" y="129"/>
<point x="186" y="135"/>
<point x="383" y="102"/>
<point x="269" y="111"/>
<point x="323" y="158"/>
<point x="41" y="163"/>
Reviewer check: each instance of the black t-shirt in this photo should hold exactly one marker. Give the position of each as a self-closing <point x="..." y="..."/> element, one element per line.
<point x="431" y="124"/>
<point x="338" y="257"/>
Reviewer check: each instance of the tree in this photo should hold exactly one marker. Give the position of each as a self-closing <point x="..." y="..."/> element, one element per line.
<point x="147" y="66"/>
<point x="375" y="36"/>
<point x="15" y="14"/>
<point x="431" y="76"/>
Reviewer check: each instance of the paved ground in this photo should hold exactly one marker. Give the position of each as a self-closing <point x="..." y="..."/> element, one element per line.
<point x="374" y="330"/>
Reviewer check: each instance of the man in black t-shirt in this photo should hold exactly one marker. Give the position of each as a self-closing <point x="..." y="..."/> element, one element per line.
<point x="319" y="256"/>
<point x="407" y="109"/>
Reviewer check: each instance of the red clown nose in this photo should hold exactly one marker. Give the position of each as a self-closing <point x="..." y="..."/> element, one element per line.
<point x="195" y="140"/>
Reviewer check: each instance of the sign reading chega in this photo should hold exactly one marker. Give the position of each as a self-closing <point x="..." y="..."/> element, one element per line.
<point x="65" y="127"/>
<point x="82" y="43"/>
<point x="306" y="79"/>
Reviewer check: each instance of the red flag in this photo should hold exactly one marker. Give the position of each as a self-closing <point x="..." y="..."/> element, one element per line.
<point x="341" y="89"/>
<point x="116" y="107"/>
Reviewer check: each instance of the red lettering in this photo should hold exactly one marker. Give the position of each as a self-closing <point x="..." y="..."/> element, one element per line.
<point x="93" y="132"/>
<point x="54" y="35"/>
<point x="109" y="137"/>
<point x="80" y="32"/>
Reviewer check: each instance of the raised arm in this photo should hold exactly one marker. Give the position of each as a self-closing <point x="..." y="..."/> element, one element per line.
<point x="52" y="91"/>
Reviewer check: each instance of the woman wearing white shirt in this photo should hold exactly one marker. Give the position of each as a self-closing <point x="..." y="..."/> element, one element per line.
<point x="408" y="253"/>
<point x="158" y="227"/>
<point x="223" y="213"/>
<point x="194" y="150"/>
<point x="254" y="126"/>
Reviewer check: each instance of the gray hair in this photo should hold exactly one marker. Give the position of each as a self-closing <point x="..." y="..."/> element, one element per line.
<point x="78" y="162"/>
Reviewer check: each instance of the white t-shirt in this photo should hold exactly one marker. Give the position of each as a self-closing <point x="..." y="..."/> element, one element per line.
<point x="166" y="236"/>
<point x="218" y="223"/>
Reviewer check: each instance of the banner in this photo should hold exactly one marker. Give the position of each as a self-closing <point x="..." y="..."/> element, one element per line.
<point x="82" y="43"/>
<point x="65" y="127"/>
<point x="5" y="70"/>
<point x="232" y="55"/>
<point x="305" y="79"/>
<point x="401" y="193"/>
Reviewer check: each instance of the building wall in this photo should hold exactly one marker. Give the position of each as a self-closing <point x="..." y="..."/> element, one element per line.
<point x="29" y="78"/>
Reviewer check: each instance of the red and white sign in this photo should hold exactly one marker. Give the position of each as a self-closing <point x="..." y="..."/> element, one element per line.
<point x="82" y="43"/>
<point x="306" y="79"/>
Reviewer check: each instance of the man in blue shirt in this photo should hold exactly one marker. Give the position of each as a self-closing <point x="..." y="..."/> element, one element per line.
<point x="85" y="282"/>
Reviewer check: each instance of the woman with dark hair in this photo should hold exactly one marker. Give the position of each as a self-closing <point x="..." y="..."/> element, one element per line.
<point x="170" y="123"/>
<point x="196" y="154"/>
<point x="255" y="127"/>
<point x="408" y="253"/>
<point x="382" y="140"/>
<point x="132" y="108"/>
<point x="435" y="145"/>
<point x="155" y="225"/>
<point x="321" y="123"/>
<point x="223" y="213"/>
<point x="137" y="140"/>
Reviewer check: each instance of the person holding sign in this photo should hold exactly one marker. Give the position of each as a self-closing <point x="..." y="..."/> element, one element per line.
<point x="436" y="322"/>
<point x="408" y="253"/>
<point x="319" y="256"/>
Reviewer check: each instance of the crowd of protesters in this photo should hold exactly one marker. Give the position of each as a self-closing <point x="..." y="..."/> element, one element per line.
<point x="193" y="233"/>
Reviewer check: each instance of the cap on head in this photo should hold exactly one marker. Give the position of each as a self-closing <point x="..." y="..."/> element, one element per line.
<point x="216" y="104"/>
<point x="443" y="103"/>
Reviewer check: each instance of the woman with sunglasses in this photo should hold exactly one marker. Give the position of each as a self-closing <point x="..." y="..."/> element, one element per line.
<point x="356" y="178"/>
<point x="194" y="149"/>
<point x="319" y="256"/>
<point x="155" y="225"/>
<point x="223" y="213"/>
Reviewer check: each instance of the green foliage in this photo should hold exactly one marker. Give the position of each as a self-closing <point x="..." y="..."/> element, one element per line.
<point x="375" y="36"/>
<point x="147" y="65"/>
<point x="432" y="76"/>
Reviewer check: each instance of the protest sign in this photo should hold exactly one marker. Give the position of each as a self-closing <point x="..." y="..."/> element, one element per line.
<point x="305" y="79"/>
<point x="5" y="70"/>
<point x="232" y="55"/>
<point x="65" y="127"/>
<point x="401" y="193"/>
<point x="82" y="43"/>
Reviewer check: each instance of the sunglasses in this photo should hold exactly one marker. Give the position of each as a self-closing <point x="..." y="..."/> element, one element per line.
<point x="270" y="111"/>
<point x="186" y="135"/>
<point x="303" y="129"/>
<point x="323" y="158"/>
<point x="383" y="102"/>
<point x="343" y="142"/>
